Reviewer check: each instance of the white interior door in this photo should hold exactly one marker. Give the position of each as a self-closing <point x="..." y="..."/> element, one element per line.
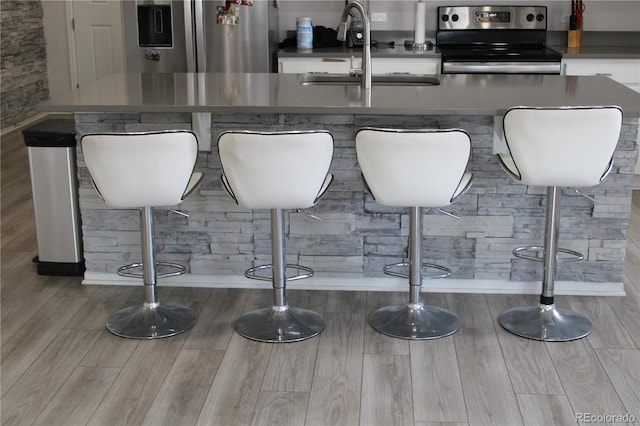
<point x="98" y="39"/>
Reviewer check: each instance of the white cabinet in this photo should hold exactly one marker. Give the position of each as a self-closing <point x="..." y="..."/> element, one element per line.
<point x="341" y="65"/>
<point x="405" y="65"/>
<point x="625" y="71"/>
<point x="315" y="64"/>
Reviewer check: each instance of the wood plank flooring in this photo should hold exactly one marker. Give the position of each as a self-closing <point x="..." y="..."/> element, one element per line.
<point x="61" y="367"/>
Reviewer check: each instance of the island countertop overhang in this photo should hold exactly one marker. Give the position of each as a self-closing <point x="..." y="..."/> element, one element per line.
<point x="256" y="93"/>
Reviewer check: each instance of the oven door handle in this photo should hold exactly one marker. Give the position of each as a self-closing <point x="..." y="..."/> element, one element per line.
<point x="501" y="67"/>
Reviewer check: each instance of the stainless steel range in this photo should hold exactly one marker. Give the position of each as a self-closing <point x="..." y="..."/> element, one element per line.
<point x="495" y="40"/>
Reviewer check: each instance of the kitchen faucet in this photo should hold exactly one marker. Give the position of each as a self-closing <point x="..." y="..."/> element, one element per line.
<point x="366" y="47"/>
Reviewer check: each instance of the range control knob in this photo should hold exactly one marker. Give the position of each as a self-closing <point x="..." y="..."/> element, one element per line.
<point x="454" y="17"/>
<point x="530" y="17"/>
<point x="445" y="18"/>
<point x="539" y="17"/>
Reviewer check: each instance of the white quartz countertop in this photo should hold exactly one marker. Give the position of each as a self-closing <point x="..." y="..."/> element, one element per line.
<point x="462" y="94"/>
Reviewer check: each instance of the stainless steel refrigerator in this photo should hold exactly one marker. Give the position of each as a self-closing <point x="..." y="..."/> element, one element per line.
<point x="173" y="36"/>
<point x="201" y="35"/>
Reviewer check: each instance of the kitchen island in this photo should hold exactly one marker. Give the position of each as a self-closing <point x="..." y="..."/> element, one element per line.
<point x="356" y="236"/>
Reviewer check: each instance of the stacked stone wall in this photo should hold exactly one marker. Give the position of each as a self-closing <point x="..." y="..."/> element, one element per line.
<point x="24" y="60"/>
<point x="357" y="236"/>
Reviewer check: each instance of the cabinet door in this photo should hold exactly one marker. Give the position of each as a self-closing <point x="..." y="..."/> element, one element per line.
<point x="625" y="71"/>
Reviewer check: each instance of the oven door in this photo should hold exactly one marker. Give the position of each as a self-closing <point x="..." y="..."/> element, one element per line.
<point x="454" y="66"/>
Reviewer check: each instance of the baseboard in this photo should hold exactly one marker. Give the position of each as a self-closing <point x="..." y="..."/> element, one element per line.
<point x="449" y="285"/>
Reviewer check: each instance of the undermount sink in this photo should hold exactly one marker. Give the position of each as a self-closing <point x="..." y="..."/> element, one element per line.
<point x="323" y="79"/>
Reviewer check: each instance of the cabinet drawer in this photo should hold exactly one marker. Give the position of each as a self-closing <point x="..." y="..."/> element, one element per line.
<point x="405" y="66"/>
<point x="302" y="65"/>
<point x="341" y="65"/>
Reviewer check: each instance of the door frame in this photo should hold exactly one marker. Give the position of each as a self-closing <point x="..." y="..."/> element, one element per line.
<point x="71" y="41"/>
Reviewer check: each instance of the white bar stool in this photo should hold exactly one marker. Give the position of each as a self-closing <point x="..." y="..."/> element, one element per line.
<point x="417" y="168"/>
<point x="145" y="170"/>
<point x="277" y="171"/>
<point x="555" y="147"/>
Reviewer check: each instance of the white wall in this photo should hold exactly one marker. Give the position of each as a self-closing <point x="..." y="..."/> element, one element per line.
<point x="55" y="32"/>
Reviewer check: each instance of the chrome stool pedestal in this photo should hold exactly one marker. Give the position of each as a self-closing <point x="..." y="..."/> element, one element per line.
<point x="150" y="320"/>
<point x="555" y="147"/>
<point x="415" y="168"/>
<point x="277" y="171"/>
<point x="280" y="322"/>
<point x="547" y="322"/>
<point x="415" y="320"/>
<point x="143" y="170"/>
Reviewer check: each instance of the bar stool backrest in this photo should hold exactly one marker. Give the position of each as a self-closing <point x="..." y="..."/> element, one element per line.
<point x="132" y="170"/>
<point x="414" y="168"/>
<point x="566" y="146"/>
<point x="276" y="170"/>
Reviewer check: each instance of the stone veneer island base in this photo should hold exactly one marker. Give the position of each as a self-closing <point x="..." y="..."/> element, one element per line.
<point x="357" y="237"/>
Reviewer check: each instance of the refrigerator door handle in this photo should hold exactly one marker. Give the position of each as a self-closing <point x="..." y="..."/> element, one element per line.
<point x="189" y="35"/>
<point x="199" y="35"/>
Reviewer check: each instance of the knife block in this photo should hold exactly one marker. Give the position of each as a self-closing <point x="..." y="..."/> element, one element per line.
<point x="574" y="38"/>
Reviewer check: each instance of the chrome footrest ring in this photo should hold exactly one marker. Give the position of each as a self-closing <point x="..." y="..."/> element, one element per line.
<point x="389" y="270"/>
<point x="124" y="271"/>
<point x="251" y="273"/>
<point x="575" y="256"/>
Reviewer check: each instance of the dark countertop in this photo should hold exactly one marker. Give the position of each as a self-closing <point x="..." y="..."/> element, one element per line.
<point x="597" y="45"/>
<point x="398" y="51"/>
<point x="383" y="38"/>
<point x="462" y="94"/>
<point x="584" y="52"/>
<point x="599" y="52"/>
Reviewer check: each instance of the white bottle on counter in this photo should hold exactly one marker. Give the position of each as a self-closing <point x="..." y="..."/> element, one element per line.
<point x="304" y="33"/>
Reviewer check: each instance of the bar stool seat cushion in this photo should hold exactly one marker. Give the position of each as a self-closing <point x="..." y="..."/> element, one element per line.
<point x="127" y="175"/>
<point x="276" y="170"/>
<point x="560" y="146"/>
<point x="413" y="173"/>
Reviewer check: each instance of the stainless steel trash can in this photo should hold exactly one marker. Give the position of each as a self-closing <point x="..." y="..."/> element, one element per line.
<point x="54" y="183"/>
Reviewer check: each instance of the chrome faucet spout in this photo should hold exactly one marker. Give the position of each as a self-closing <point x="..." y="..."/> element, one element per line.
<point x="366" y="46"/>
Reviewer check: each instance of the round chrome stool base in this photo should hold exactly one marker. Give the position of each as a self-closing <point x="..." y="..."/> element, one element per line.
<point x="546" y="323"/>
<point x="149" y="321"/>
<point x="414" y="321"/>
<point x="279" y="324"/>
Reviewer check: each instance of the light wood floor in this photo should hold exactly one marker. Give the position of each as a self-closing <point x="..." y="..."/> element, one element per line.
<point x="61" y="367"/>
